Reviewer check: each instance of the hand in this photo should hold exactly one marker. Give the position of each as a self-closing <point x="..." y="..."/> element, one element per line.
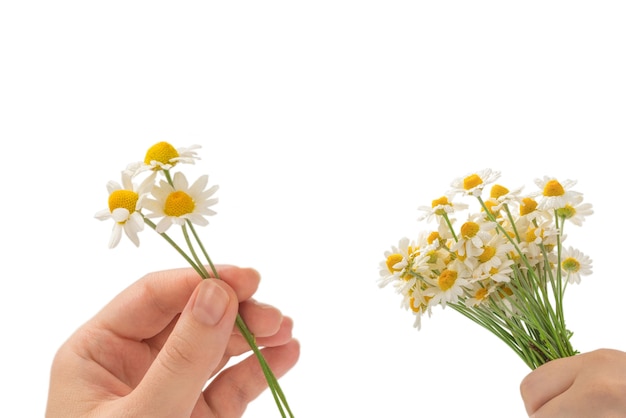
<point x="152" y="349"/>
<point x="590" y="385"/>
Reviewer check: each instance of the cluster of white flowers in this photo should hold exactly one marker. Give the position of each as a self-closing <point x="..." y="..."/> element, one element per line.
<point x="171" y="200"/>
<point x="513" y="243"/>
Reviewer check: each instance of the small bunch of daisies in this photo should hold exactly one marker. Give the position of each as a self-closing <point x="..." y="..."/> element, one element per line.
<point x="504" y="267"/>
<point x="174" y="203"/>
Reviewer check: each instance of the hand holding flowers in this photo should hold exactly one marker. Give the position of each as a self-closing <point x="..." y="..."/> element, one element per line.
<point x="504" y="268"/>
<point x="174" y="203"/>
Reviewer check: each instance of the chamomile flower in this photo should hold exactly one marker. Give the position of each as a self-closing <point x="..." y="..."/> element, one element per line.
<point x="575" y="212"/>
<point x="177" y="203"/>
<point x="472" y="237"/>
<point x="397" y="261"/>
<point x="164" y="156"/>
<point x="125" y="202"/>
<point x="501" y="273"/>
<point x="495" y="253"/>
<point x="479" y="295"/>
<point x="440" y="207"/>
<point x="473" y="184"/>
<point x="555" y="194"/>
<point x="500" y="196"/>
<point x="449" y="287"/>
<point x="575" y="264"/>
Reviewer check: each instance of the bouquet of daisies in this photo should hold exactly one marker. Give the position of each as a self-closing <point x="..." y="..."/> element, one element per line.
<point x="504" y="267"/>
<point x="169" y="199"/>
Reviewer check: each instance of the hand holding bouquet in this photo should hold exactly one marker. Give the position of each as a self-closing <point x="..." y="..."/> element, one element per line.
<point x="505" y="267"/>
<point x="176" y="206"/>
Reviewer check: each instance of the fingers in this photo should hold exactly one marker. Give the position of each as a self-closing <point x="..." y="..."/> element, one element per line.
<point x="547" y="382"/>
<point x="231" y="391"/>
<point x="586" y="385"/>
<point x="147" y="307"/>
<point x="193" y="350"/>
<point x="263" y="319"/>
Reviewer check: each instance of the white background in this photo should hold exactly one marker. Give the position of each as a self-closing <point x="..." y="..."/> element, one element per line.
<point x="326" y="124"/>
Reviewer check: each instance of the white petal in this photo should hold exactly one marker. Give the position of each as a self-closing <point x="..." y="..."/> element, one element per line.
<point x="120" y="214"/>
<point x="164" y="224"/>
<point x="198" y="186"/>
<point x="116" y="234"/>
<point x="113" y="186"/>
<point x="103" y="214"/>
<point x="180" y="181"/>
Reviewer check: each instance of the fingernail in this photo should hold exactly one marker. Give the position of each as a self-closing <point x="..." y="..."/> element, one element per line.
<point x="211" y="303"/>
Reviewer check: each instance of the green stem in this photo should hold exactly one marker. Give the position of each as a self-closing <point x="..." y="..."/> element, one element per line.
<point x="272" y="381"/>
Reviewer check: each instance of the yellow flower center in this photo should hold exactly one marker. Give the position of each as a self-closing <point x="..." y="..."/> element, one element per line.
<point x="413" y="251"/>
<point x="472" y="181"/>
<point x="553" y="188"/>
<point x="488" y="253"/>
<point x="392" y="260"/>
<point x="506" y="291"/>
<point x="566" y="212"/>
<point x="531" y="234"/>
<point x="571" y="265"/>
<point x="413" y="307"/>
<point x="469" y="229"/>
<point x="432" y="257"/>
<point x="162" y="152"/>
<point x="497" y="191"/>
<point x="481" y="293"/>
<point x="178" y="204"/>
<point x="434" y="236"/>
<point x="126" y="199"/>
<point x="447" y="278"/>
<point x="527" y="206"/>
<point x="489" y="204"/>
<point x="441" y="201"/>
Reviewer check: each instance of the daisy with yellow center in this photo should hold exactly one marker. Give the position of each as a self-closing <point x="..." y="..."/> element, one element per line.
<point x="495" y="253"/>
<point x="178" y="203"/>
<point x="449" y="288"/>
<point x="500" y="196"/>
<point x="575" y="264"/>
<point x="555" y="194"/>
<point x="474" y="183"/>
<point x="480" y="295"/>
<point x="575" y="211"/>
<point x="125" y="202"/>
<point x="397" y="261"/>
<point x="164" y="156"/>
<point x="473" y="236"/>
<point x="442" y="206"/>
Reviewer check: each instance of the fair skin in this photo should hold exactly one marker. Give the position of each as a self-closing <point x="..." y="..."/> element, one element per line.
<point x="152" y="349"/>
<point x="587" y="385"/>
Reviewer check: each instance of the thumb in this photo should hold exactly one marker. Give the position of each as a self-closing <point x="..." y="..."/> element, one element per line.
<point x="193" y="350"/>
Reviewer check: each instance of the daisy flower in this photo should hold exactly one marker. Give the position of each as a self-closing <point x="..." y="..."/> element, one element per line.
<point x="178" y="202"/>
<point x="500" y="196"/>
<point x="473" y="236"/>
<point x="555" y="194"/>
<point x="450" y="287"/>
<point x="574" y="264"/>
<point x="163" y="156"/>
<point x="495" y="253"/>
<point x="480" y="295"/>
<point x="125" y="202"/>
<point x="474" y="183"/>
<point x="575" y="212"/>
<point x="440" y="207"/>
